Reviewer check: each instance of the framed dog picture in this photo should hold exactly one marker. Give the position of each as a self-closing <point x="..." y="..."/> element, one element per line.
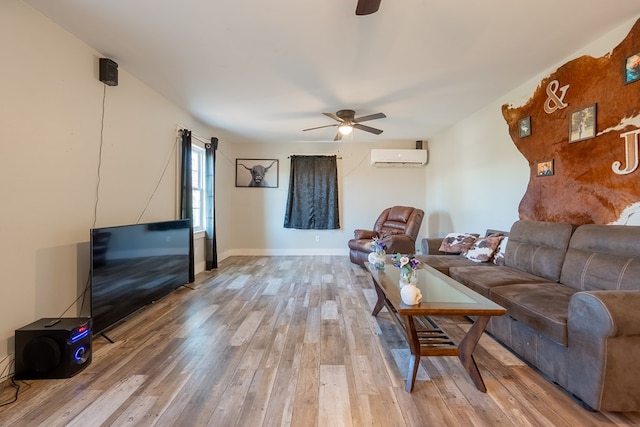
<point x="261" y="173"/>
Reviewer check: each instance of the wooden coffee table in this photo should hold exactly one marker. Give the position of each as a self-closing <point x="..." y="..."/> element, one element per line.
<point x="441" y="296"/>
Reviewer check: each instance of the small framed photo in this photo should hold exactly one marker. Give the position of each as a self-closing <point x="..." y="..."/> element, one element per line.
<point x="524" y="127"/>
<point x="545" y="168"/>
<point x="261" y="173"/>
<point x="632" y="68"/>
<point x="583" y="124"/>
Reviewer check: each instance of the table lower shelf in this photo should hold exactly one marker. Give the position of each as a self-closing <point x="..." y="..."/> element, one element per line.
<point x="433" y="340"/>
<point x="426" y="338"/>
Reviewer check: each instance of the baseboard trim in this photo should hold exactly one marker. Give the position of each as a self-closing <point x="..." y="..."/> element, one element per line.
<point x="287" y="252"/>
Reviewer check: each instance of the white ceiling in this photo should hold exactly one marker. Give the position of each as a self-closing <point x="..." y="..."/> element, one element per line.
<point x="263" y="70"/>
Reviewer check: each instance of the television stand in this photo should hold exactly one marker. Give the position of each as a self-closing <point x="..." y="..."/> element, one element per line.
<point x="103" y="335"/>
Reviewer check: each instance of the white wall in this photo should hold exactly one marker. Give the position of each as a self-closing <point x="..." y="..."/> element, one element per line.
<point x="50" y="121"/>
<point x="477" y="177"/>
<point x="258" y="213"/>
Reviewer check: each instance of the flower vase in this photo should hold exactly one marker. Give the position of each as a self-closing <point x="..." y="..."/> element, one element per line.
<point x="377" y="259"/>
<point x="407" y="276"/>
<point x="410" y="294"/>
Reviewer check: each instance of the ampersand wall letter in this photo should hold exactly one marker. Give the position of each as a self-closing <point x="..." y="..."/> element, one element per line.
<point x="553" y="98"/>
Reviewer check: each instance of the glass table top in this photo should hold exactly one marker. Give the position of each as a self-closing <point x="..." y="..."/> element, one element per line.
<point x="440" y="293"/>
<point x="434" y="288"/>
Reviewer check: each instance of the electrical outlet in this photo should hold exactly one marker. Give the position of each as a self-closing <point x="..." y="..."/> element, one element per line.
<point x="317" y="237"/>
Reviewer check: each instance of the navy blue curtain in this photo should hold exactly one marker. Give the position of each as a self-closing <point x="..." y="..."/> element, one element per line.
<point x="186" y="194"/>
<point x="312" y="203"/>
<point x="211" y="251"/>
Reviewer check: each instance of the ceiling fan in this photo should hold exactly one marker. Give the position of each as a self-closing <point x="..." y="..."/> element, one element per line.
<point x="348" y="121"/>
<point x="367" y="7"/>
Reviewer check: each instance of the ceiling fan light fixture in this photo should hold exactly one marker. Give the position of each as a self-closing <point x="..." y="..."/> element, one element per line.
<point x="347" y="121"/>
<point x="345" y="129"/>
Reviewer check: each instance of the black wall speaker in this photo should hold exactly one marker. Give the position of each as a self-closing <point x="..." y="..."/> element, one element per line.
<point x="108" y="72"/>
<point x="53" y="348"/>
<point x="418" y="145"/>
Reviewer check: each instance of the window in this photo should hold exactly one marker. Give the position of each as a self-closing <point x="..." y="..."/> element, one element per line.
<point x="197" y="184"/>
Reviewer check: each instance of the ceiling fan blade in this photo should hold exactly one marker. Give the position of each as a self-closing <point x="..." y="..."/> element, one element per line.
<point x="333" y="116"/>
<point x="367" y="128"/>
<point x="338" y="136"/>
<point x="320" y="127"/>
<point x="366" y="7"/>
<point x="369" y="117"/>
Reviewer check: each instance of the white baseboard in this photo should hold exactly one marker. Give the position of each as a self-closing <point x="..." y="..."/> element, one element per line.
<point x="200" y="266"/>
<point x="285" y="252"/>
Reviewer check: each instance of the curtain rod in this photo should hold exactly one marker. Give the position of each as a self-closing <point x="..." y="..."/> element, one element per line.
<point x="200" y="138"/>
<point x="309" y="154"/>
<point x="195" y="135"/>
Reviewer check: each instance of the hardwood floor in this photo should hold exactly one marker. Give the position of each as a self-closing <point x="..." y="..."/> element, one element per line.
<point x="286" y="341"/>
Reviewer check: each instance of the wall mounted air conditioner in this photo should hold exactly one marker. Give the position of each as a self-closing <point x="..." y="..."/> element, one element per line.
<point x="399" y="158"/>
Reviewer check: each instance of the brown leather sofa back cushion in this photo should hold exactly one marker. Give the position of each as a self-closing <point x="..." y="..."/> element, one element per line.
<point x="399" y="220"/>
<point x="603" y="257"/>
<point x="538" y="247"/>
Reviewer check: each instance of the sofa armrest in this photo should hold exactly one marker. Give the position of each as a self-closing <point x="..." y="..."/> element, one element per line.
<point x="606" y="313"/>
<point x="431" y="246"/>
<point x="603" y="342"/>
<point x="364" y="234"/>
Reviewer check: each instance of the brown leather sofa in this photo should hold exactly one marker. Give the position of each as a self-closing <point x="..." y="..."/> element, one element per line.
<point x="397" y="227"/>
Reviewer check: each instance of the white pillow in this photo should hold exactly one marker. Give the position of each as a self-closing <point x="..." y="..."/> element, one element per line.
<point x="457" y="243"/>
<point x="483" y="249"/>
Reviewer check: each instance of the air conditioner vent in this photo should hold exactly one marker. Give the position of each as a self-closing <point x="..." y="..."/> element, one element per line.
<point x="398" y="158"/>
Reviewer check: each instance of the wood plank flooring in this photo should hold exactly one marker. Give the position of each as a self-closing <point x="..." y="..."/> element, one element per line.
<point x="287" y="341"/>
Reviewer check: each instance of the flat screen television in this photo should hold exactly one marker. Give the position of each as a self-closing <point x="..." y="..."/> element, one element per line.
<point x="133" y="266"/>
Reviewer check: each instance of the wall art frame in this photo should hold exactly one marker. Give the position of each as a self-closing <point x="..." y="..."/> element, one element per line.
<point x="582" y="124"/>
<point x="545" y="168"/>
<point x="259" y="173"/>
<point x="524" y="127"/>
<point x="632" y="68"/>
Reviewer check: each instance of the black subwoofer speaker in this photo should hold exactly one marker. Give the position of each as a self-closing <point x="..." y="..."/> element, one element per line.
<point x="53" y="348"/>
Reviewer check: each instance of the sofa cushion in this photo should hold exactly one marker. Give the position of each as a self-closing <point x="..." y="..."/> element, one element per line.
<point x="538" y="247"/>
<point x="388" y="232"/>
<point x="541" y="306"/>
<point x="482" y="278"/>
<point x="603" y="257"/>
<point x="443" y="263"/>
<point x="405" y="219"/>
<point x="457" y="243"/>
<point x="483" y="249"/>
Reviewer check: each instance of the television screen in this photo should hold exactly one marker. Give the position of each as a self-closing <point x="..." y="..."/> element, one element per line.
<point x="133" y="266"/>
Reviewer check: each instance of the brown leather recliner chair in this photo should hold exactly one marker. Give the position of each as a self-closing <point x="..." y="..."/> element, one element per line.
<point x="397" y="227"/>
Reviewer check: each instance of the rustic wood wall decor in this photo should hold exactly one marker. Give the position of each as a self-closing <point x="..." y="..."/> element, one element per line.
<point x="585" y="118"/>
